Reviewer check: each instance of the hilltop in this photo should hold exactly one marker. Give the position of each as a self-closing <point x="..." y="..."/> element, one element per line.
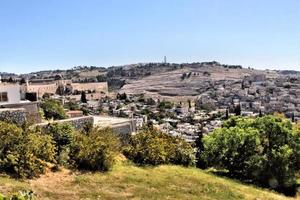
<point x="143" y="75"/>
<point x="190" y="80"/>
<point x="210" y="85"/>
<point x="126" y="181"/>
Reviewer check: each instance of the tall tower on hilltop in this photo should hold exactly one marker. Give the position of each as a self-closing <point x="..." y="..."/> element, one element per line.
<point x="165" y="59"/>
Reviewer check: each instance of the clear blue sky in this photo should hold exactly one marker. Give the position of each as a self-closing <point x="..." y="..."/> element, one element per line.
<point x="53" y="34"/>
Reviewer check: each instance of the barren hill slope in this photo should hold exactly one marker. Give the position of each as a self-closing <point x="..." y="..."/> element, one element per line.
<point x="188" y="82"/>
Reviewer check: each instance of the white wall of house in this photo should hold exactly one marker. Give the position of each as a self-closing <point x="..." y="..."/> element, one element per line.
<point x="13" y="93"/>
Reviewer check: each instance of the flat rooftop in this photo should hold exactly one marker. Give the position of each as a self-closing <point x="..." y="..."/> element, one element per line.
<point x="109" y="121"/>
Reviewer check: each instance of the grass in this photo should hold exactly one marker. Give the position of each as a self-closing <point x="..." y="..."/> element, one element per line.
<point x="126" y="181"/>
<point x="9" y="186"/>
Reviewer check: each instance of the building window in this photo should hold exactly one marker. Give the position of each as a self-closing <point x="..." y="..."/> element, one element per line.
<point x="3" y="97"/>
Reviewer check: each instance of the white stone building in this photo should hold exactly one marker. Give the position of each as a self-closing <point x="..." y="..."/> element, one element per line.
<point x="9" y="93"/>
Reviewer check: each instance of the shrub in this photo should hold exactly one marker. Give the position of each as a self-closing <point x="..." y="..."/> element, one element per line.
<point x="95" y="150"/>
<point x="71" y="105"/>
<point x="264" y="150"/>
<point x="152" y="147"/>
<point x="53" y="109"/>
<point x="23" y="153"/>
<point x="63" y="135"/>
<point x="296" y="132"/>
<point x="22" y="195"/>
<point x="164" y="105"/>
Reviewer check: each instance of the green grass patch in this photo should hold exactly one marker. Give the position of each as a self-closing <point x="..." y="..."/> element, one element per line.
<point x="127" y="181"/>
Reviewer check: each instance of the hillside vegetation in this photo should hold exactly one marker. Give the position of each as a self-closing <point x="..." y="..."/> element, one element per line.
<point x="126" y="181"/>
<point x="61" y="163"/>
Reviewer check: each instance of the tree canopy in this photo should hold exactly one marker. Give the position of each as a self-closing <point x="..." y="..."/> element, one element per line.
<point x="264" y="150"/>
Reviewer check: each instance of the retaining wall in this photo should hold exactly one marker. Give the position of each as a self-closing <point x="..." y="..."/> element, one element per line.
<point x="13" y="115"/>
<point x="79" y="123"/>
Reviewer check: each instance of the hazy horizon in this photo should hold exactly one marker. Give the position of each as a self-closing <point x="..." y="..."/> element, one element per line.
<point x="39" y="35"/>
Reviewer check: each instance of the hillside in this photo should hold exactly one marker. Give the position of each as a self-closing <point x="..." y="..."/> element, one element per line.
<point x="129" y="182"/>
<point x="190" y="81"/>
<point x="167" y="80"/>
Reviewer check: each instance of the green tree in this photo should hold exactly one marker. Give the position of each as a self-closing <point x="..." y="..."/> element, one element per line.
<point x="264" y="150"/>
<point x="164" y="105"/>
<point x="96" y="150"/>
<point x="152" y="147"/>
<point x="24" y="153"/>
<point x="10" y="80"/>
<point x="71" y="105"/>
<point x="226" y="114"/>
<point x="150" y="101"/>
<point x="83" y="97"/>
<point x="200" y="147"/>
<point x="260" y="113"/>
<point x="296" y="133"/>
<point x="63" y="135"/>
<point x="53" y="109"/>
<point x="22" y="81"/>
<point x="238" y="110"/>
<point x="190" y="104"/>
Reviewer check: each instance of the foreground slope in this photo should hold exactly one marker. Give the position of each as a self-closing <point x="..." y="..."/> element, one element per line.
<point x="129" y="182"/>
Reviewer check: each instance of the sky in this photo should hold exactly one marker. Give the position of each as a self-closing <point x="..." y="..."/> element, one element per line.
<point x="60" y="34"/>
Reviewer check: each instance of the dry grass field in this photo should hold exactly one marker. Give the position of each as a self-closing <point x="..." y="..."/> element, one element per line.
<point x="126" y="181"/>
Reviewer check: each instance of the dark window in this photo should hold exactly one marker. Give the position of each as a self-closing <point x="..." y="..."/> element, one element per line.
<point x="3" y="97"/>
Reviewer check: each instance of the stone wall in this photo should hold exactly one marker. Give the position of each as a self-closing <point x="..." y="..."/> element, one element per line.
<point x="79" y="123"/>
<point x="97" y="87"/>
<point x="123" y="129"/>
<point x="31" y="111"/>
<point x="13" y="115"/>
<point x="41" y="89"/>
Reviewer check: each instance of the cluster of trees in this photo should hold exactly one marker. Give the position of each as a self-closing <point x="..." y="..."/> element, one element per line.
<point x="24" y="152"/>
<point x="186" y="75"/>
<point x="101" y="78"/>
<point x="28" y="152"/>
<point x="152" y="147"/>
<point x="163" y="105"/>
<point x="263" y="150"/>
<point x="52" y="109"/>
<point x="72" y="105"/>
<point x="122" y="96"/>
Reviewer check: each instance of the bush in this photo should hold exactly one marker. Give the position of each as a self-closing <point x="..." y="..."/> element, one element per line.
<point x="24" y="153"/>
<point x="23" y="195"/>
<point x="95" y="150"/>
<point x="71" y="105"/>
<point x="296" y="133"/>
<point x="53" y="109"/>
<point x="152" y="147"/>
<point x="63" y="135"/>
<point x="264" y="150"/>
<point x="164" y="105"/>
